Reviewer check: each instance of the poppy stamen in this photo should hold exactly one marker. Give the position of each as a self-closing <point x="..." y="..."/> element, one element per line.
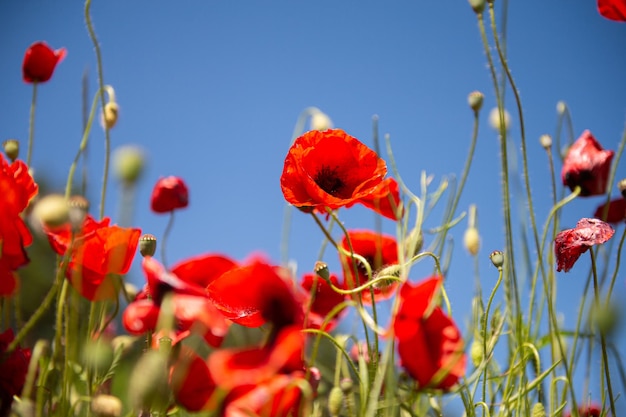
<point x="328" y="180"/>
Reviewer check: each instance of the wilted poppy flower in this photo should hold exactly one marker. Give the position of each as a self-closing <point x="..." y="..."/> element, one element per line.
<point x="40" y="61"/>
<point x="17" y="188"/>
<point x="615" y="213"/>
<point x="613" y="9"/>
<point x="13" y="368"/>
<point x="99" y="252"/>
<point x="379" y="251"/>
<point x="332" y="169"/>
<point x="324" y="301"/>
<point x="169" y="194"/>
<point x="429" y="343"/>
<point x="590" y="410"/>
<point x="254" y="294"/>
<point x="571" y="243"/>
<point x="587" y="165"/>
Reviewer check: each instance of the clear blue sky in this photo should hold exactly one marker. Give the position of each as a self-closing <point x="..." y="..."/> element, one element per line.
<point x="212" y="90"/>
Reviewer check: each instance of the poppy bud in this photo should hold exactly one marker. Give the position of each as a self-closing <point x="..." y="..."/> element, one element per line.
<point x="40" y="61"/>
<point x="52" y="211"/>
<point x="538" y="410"/>
<point x="471" y="239"/>
<point x="128" y="163"/>
<point x="335" y="401"/>
<point x="561" y="107"/>
<point x="109" y="115"/>
<point x="169" y="194"/>
<point x="106" y="406"/>
<point x="391" y="270"/>
<point x="346" y="385"/>
<point x="320" y="121"/>
<point x="545" y="141"/>
<point x="622" y="187"/>
<point x="497" y="258"/>
<point x="147" y="245"/>
<point x="321" y="269"/>
<point x="476" y="352"/>
<point x="478" y="6"/>
<point x="605" y="318"/>
<point x="494" y="120"/>
<point x="475" y="98"/>
<point x="78" y="209"/>
<point x="11" y="148"/>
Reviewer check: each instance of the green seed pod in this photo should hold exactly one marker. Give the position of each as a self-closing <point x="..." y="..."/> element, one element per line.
<point x="11" y="148"/>
<point x="477" y="5"/>
<point x="147" y="245"/>
<point x="475" y="98"/>
<point x="497" y="258"/>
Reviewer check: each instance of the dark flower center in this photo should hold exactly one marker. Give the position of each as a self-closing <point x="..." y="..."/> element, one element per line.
<point x="328" y="180"/>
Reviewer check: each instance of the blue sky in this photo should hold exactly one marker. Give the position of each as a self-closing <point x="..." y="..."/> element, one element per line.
<point x="211" y="90"/>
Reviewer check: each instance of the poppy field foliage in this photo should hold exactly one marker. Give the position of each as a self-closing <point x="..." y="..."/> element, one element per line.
<point x="360" y="332"/>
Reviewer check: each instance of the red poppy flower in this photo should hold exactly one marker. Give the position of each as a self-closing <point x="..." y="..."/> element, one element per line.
<point x="40" y="61"/>
<point x="254" y="294"/>
<point x="13" y="369"/>
<point x="192" y="383"/>
<point x="571" y="243"/>
<point x="379" y="251"/>
<point x="17" y="188"/>
<point x="204" y="269"/>
<point x="325" y="300"/>
<point x="429" y="343"/>
<point x="98" y="252"/>
<point x="613" y="9"/>
<point x="169" y="194"/>
<point x="587" y="165"/>
<point x="161" y="281"/>
<point x="385" y="199"/>
<point x="590" y="410"/>
<point x="616" y="212"/>
<point x="332" y="169"/>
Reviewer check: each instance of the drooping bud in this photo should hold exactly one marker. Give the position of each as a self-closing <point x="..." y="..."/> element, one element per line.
<point x="622" y="187"/>
<point x="475" y="98"/>
<point x="471" y="239"/>
<point x="477" y="352"/>
<point x="11" y="148"/>
<point x="52" y="211"/>
<point x="320" y="121"/>
<point x="109" y="115"/>
<point x="494" y="120"/>
<point x="497" y="258"/>
<point x="128" y="163"/>
<point x="106" y="406"/>
<point x="78" y="209"/>
<point x="561" y="107"/>
<point x="477" y="5"/>
<point x="388" y="271"/>
<point x="335" y="401"/>
<point x="546" y="143"/>
<point x="147" y="245"/>
<point x="538" y="410"/>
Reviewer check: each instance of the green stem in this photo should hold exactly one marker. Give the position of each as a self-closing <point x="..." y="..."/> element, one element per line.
<point x="484" y="326"/>
<point x="166" y="234"/>
<point x="605" y="358"/>
<point x="31" y="124"/>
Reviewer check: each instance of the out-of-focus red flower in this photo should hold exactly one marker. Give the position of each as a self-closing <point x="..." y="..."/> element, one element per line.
<point x="169" y="194"/>
<point x="429" y="343"/>
<point x="571" y="243"/>
<point x="324" y="301"/>
<point x="613" y="9"/>
<point x="204" y="269"/>
<point x="616" y="212"/>
<point x="160" y="281"/>
<point x="589" y="410"/>
<point x="17" y="188"/>
<point x="192" y="383"/>
<point x="254" y="294"/>
<point x="332" y="169"/>
<point x="13" y="369"/>
<point x="587" y="165"/>
<point x="40" y="61"/>
<point x="379" y="251"/>
<point x="99" y="251"/>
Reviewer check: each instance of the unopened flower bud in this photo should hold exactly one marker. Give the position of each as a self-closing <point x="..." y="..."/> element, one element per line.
<point x="605" y="318"/>
<point x="128" y="163"/>
<point x="471" y="239"/>
<point x="147" y="245"/>
<point x="106" y="406"/>
<point x="546" y="143"/>
<point x="11" y="148"/>
<point x="320" y="121"/>
<point x="335" y="401"/>
<point x="538" y="410"/>
<point x="475" y="98"/>
<point x="477" y="352"/>
<point x="321" y="269"/>
<point x="622" y="187"/>
<point x="561" y="107"/>
<point x="497" y="258"/>
<point x="477" y="5"/>
<point x="388" y="271"/>
<point x="52" y="211"/>
<point x="78" y="209"/>
<point x="346" y="385"/>
<point x="109" y="114"/>
<point x="494" y="120"/>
